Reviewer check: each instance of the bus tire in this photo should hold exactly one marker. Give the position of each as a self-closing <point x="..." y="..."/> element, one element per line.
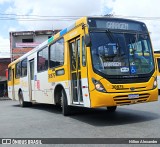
<point x="111" y="108"/>
<point x="64" y="103"/>
<point x="21" y="100"/>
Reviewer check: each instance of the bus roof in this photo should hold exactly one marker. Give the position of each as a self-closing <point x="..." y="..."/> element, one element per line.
<point x="61" y="33"/>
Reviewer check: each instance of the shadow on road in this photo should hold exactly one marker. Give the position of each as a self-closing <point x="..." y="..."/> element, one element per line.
<point x="43" y="107"/>
<point x="101" y="117"/>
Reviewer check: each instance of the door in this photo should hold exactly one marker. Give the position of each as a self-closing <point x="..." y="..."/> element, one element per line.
<point x="158" y="72"/>
<point x="31" y="79"/>
<point x="75" y="58"/>
<point x="13" y="90"/>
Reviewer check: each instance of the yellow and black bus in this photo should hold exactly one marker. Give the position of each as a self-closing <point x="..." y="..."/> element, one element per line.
<point x="96" y="62"/>
<point x="157" y="62"/>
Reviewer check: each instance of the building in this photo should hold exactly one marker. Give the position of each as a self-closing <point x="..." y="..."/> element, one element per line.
<point x="3" y="79"/>
<point x="24" y="41"/>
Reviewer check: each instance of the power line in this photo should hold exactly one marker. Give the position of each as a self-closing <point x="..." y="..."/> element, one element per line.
<point x="139" y="17"/>
<point x="43" y="15"/>
<point x="37" y="17"/>
<point x="61" y="18"/>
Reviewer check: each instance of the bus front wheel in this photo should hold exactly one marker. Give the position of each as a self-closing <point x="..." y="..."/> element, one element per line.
<point x="64" y="104"/>
<point x="111" y="108"/>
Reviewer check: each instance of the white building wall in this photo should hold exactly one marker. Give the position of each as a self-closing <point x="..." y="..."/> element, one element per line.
<point x="41" y="38"/>
<point x="36" y="39"/>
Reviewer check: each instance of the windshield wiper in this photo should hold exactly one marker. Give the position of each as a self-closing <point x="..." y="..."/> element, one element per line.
<point x="110" y="36"/>
<point x="133" y="47"/>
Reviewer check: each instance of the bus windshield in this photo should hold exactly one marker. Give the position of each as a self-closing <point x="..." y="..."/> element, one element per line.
<point x="121" y="53"/>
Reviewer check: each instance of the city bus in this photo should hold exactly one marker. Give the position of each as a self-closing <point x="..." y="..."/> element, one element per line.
<point x="95" y="62"/>
<point x="157" y="62"/>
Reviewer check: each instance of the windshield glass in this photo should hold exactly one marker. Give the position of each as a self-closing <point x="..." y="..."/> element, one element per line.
<point x="121" y="53"/>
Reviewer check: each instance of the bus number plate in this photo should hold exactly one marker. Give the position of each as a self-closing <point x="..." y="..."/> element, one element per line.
<point x="133" y="96"/>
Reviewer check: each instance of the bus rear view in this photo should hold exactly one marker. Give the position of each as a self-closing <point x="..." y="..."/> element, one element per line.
<point x="121" y="66"/>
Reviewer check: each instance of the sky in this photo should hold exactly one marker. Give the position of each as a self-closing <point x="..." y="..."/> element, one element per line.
<point x="31" y="15"/>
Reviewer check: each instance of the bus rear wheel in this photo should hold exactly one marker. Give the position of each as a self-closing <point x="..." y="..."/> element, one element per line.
<point x="64" y="104"/>
<point x="21" y="101"/>
<point x="111" y="108"/>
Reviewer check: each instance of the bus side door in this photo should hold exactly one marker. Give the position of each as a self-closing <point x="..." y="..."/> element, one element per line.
<point x="78" y="70"/>
<point x="31" y="80"/>
<point x="158" y="72"/>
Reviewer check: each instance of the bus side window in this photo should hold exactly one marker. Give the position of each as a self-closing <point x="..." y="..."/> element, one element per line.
<point x="42" y="63"/>
<point x="158" y="62"/>
<point x="56" y="54"/>
<point x="18" y="70"/>
<point x="24" y="68"/>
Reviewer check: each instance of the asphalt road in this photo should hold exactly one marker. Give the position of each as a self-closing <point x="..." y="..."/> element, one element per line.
<point x="46" y="121"/>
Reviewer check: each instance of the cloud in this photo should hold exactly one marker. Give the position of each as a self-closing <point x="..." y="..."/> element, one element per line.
<point x="4" y="47"/>
<point x="140" y="8"/>
<point x="53" y="8"/>
<point x="3" y="1"/>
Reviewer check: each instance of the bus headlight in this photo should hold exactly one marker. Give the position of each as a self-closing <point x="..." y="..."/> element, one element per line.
<point x="155" y="83"/>
<point x="98" y="85"/>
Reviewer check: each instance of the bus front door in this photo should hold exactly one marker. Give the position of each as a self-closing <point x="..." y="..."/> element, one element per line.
<point x="76" y="90"/>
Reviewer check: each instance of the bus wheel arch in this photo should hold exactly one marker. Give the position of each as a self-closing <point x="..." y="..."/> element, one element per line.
<point x="57" y="94"/>
<point x="60" y="98"/>
<point x="21" y="99"/>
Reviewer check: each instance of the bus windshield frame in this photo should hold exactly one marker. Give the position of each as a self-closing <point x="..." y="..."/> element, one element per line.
<point x="132" y="53"/>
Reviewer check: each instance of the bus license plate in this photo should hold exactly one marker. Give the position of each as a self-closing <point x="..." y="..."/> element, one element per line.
<point x="133" y="96"/>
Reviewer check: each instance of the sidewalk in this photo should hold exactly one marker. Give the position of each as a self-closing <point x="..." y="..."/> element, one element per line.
<point x="4" y="98"/>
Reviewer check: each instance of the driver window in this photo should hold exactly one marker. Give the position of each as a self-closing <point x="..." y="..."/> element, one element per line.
<point x="158" y="62"/>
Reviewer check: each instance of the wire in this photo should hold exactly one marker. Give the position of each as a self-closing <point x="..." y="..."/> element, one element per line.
<point x="36" y="17"/>
<point x="61" y="18"/>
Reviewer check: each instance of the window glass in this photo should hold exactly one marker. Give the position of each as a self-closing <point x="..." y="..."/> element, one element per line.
<point x="32" y="69"/>
<point x="158" y="62"/>
<point x="73" y="55"/>
<point x="78" y="52"/>
<point x="18" y="70"/>
<point x="24" y="68"/>
<point x="43" y="59"/>
<point x="121" y="53"/>
<point x="9" y="74"/>
<point x="27" y="40"/>
<point x="83" y="53"/>
<point x="57" y="53"/>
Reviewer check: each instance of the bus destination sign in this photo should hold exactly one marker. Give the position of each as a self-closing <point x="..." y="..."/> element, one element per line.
<point x="116" y="24"/>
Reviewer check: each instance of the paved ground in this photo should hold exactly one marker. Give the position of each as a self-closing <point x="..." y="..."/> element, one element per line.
<point x="46" y="121"/>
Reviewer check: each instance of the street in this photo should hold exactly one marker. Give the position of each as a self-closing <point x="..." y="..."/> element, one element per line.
<point x="46" y="121"/>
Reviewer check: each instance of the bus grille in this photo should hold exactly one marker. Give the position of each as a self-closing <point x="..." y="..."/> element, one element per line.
<point x="124" y="100"/>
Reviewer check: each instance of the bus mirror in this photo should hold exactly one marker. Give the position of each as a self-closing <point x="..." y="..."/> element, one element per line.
<point x="87" y="40"/>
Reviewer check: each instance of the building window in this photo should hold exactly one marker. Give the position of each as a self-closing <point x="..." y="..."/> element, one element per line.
<point x="24" y="68"/>
<point x="18" y="70"/>
<point x="56" y="53"/>
<point x="42" y="60"/>
<point x="27" y="40"/>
